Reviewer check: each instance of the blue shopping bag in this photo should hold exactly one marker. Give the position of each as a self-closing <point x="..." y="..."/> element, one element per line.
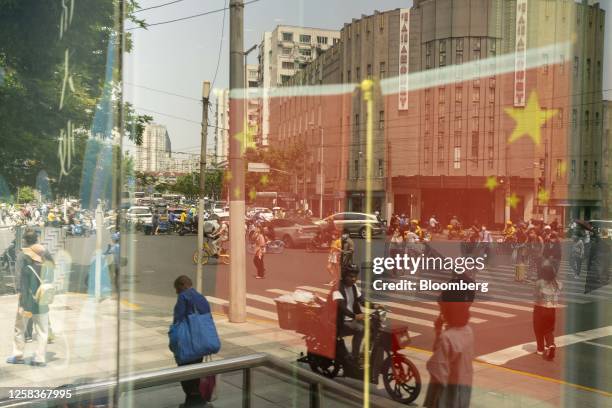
<point x="194" y="337"/>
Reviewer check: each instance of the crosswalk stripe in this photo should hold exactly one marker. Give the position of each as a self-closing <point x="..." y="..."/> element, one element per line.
<point x="501" y="357"/>
<point x="249" y="309"/>
<point x="390" y="315"/>
<point x="507" y="305"/>
<point x="408" y="319"/>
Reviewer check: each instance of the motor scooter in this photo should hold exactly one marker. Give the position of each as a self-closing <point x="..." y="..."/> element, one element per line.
<point x="400" y="376"/>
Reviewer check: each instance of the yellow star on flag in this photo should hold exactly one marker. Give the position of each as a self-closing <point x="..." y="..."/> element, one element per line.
<point x="512" y="200"/>
<point x="228" y="175"/>
<point x="264" y="180"/>
<point x="543" y="196"/>
<point x="491" y="183"/>
<point x="252" y="194"/>
<point x="529" y="119"/>
<point x="237" y="192"/>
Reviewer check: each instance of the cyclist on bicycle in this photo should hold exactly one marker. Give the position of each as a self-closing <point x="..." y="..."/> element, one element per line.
<point x="218" y="237"/>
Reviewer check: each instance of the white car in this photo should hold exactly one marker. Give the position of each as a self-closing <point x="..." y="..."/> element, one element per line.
<point x="139" y="214"/>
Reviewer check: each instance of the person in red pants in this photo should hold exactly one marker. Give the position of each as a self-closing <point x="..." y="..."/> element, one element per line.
<point x="547" y="291"/>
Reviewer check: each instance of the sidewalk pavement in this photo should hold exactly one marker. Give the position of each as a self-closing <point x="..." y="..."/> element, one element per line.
<point x="86" y="342"/>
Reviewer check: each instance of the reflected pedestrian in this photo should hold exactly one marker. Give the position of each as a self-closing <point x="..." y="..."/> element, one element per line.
<point x="547" y="291"/>
<point x="577" y="255"/>
<point x="260" y="249"/>
<point x="333" y="259"/>
<point x="450" y="366"/>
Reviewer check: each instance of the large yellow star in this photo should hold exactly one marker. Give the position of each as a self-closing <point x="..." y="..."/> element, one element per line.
<point x="529" y="119"/>
<point x="543" y="196"/>
<point x="264" y="180"/>
<point x="512" y="200"/>
<point x="491" y="183"/>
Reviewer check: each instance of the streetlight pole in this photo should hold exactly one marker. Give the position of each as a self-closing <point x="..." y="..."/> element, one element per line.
<point x="203" y="143"/>
<point x="237" y="279"/>
<point x="321" y="181"/>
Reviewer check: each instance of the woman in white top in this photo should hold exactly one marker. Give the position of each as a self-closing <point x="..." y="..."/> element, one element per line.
<point x="547" y="290"/>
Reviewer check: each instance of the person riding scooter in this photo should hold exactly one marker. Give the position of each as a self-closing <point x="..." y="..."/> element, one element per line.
<point x="350" y="317"/>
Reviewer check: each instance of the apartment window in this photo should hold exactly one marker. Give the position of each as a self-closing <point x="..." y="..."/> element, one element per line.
<point x="574" y="118"/>
<point x="491" y="122"/>
<point x="588" y="68"/>
<point x="476" y="95"/>
<point x="459" y="44"/>
<point x="381" y="22"/>
<point x="322" y="40"/>
<point x="475" y="124"/>
<point x="459" y="58"/>
<point x="562" y="65"/>
<point x="493" y="49"/>
<point x="287" y="36"/>
<point x="381" y="168"/>
<point x="573" y="169"/>
<point x="348" y="75"/>
<point x="381" y="120"/>
<point x="458" y="109"/>
<point x="307" y="52"/>
<point x="356" y="126"/>
<point x="442" y="61"/>
<point x="595" y="172"/>
<point x="558" y="170"/>
<point x="285" y="78"/>
<point x="286" y="51"/>
<point x="596" y="119"/>
<point x="358" y="74"/>
<point x="476" y="44"/>
<point x="586" y="120"/>
<point x="457" y="158"/>
<point x="458" y="123"/>
<point x="490" y="157"/>
<point x="560" y="118"/>
<point x="441" y="96"/>
<point x="428" y="52"/>
<point x="305" y="38"/>
<point x="576" y="66"/>
<point x="369" y="71"/>
<point x="492" y="96"/>
<point x="288" y="65"/>
<point x="458" y="94"/>
<point x="336" y="41"/>
<point x="599" y="70"/>
<point x="428" y="61"/>
<point x="382" y="70"/>
<point x="475" y="141"/>
<point x="457" y="139"/>
<point x="585" y="171"/>
<point x="545" y="61"/>
<point x="356" y="169"/>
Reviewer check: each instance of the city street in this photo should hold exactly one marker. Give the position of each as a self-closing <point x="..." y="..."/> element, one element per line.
<point x="501" y="318"/>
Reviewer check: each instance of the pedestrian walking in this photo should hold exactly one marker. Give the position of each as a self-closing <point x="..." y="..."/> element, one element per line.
<point x="450" y="366"/>
<point x="260" y="249"/>
<point x="189" y="301"/>
<point x="396" y="246"/>
<point x="577" y="255"/>
<point x="552" y="250"/>
<point x="547" y="291"/>
<point x="34" y="299"/>
<point x="333" y="259"/>
<point x="348" y="249"/>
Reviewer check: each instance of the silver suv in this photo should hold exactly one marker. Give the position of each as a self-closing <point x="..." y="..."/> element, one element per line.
<point x="355" y="223"/>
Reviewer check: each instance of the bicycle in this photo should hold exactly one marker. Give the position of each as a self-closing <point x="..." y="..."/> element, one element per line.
<point x="207" y="251"/>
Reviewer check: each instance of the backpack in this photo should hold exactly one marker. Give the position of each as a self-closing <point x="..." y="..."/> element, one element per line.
<point x="46" y="291"/>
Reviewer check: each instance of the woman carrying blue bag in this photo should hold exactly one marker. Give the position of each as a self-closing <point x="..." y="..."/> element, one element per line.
<point x="192" y="334"/>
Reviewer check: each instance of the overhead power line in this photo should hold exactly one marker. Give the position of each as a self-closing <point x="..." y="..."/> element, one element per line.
<point x="158" y="6"/>
<point x="206" y="13"/>
<point x="220" y="45"/>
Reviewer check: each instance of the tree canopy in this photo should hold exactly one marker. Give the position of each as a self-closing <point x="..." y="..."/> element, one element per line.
<point x="58" y="68"/>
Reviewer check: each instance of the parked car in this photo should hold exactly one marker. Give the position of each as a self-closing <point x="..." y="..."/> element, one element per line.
<point x="355" y="223"/>
<point x="139" y="214"/>
<point x="293" y="232"/>
<point x="604" y="226"/>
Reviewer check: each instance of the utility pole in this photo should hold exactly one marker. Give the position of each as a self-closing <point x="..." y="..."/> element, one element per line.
<point x="321" y="180"/>
<point x="237" y="280"/>
<point x="203" y="143"/>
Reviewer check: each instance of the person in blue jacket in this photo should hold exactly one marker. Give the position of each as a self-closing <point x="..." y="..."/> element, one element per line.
<point x="188" y="299"/>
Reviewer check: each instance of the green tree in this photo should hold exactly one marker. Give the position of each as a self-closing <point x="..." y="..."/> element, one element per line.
<point x="25" y="194"/>
<point x="38" y="67"/>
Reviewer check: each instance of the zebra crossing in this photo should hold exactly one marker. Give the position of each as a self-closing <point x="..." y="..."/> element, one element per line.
<point x="418" y="315"/>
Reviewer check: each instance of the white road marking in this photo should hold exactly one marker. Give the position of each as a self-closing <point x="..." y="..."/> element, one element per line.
<point x="501" y="357"/>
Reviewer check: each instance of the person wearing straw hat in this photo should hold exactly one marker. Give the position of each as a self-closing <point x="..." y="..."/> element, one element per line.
<point x="29" y="267"/>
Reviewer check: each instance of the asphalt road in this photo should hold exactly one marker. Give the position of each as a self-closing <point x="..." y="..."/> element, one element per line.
<point x="502" y="317"/>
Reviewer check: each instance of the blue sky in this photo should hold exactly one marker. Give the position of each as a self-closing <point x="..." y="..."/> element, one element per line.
<point x="177" y="57"/>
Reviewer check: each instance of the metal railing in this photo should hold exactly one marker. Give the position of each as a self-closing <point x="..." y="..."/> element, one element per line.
<point x="113" y="388"/>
